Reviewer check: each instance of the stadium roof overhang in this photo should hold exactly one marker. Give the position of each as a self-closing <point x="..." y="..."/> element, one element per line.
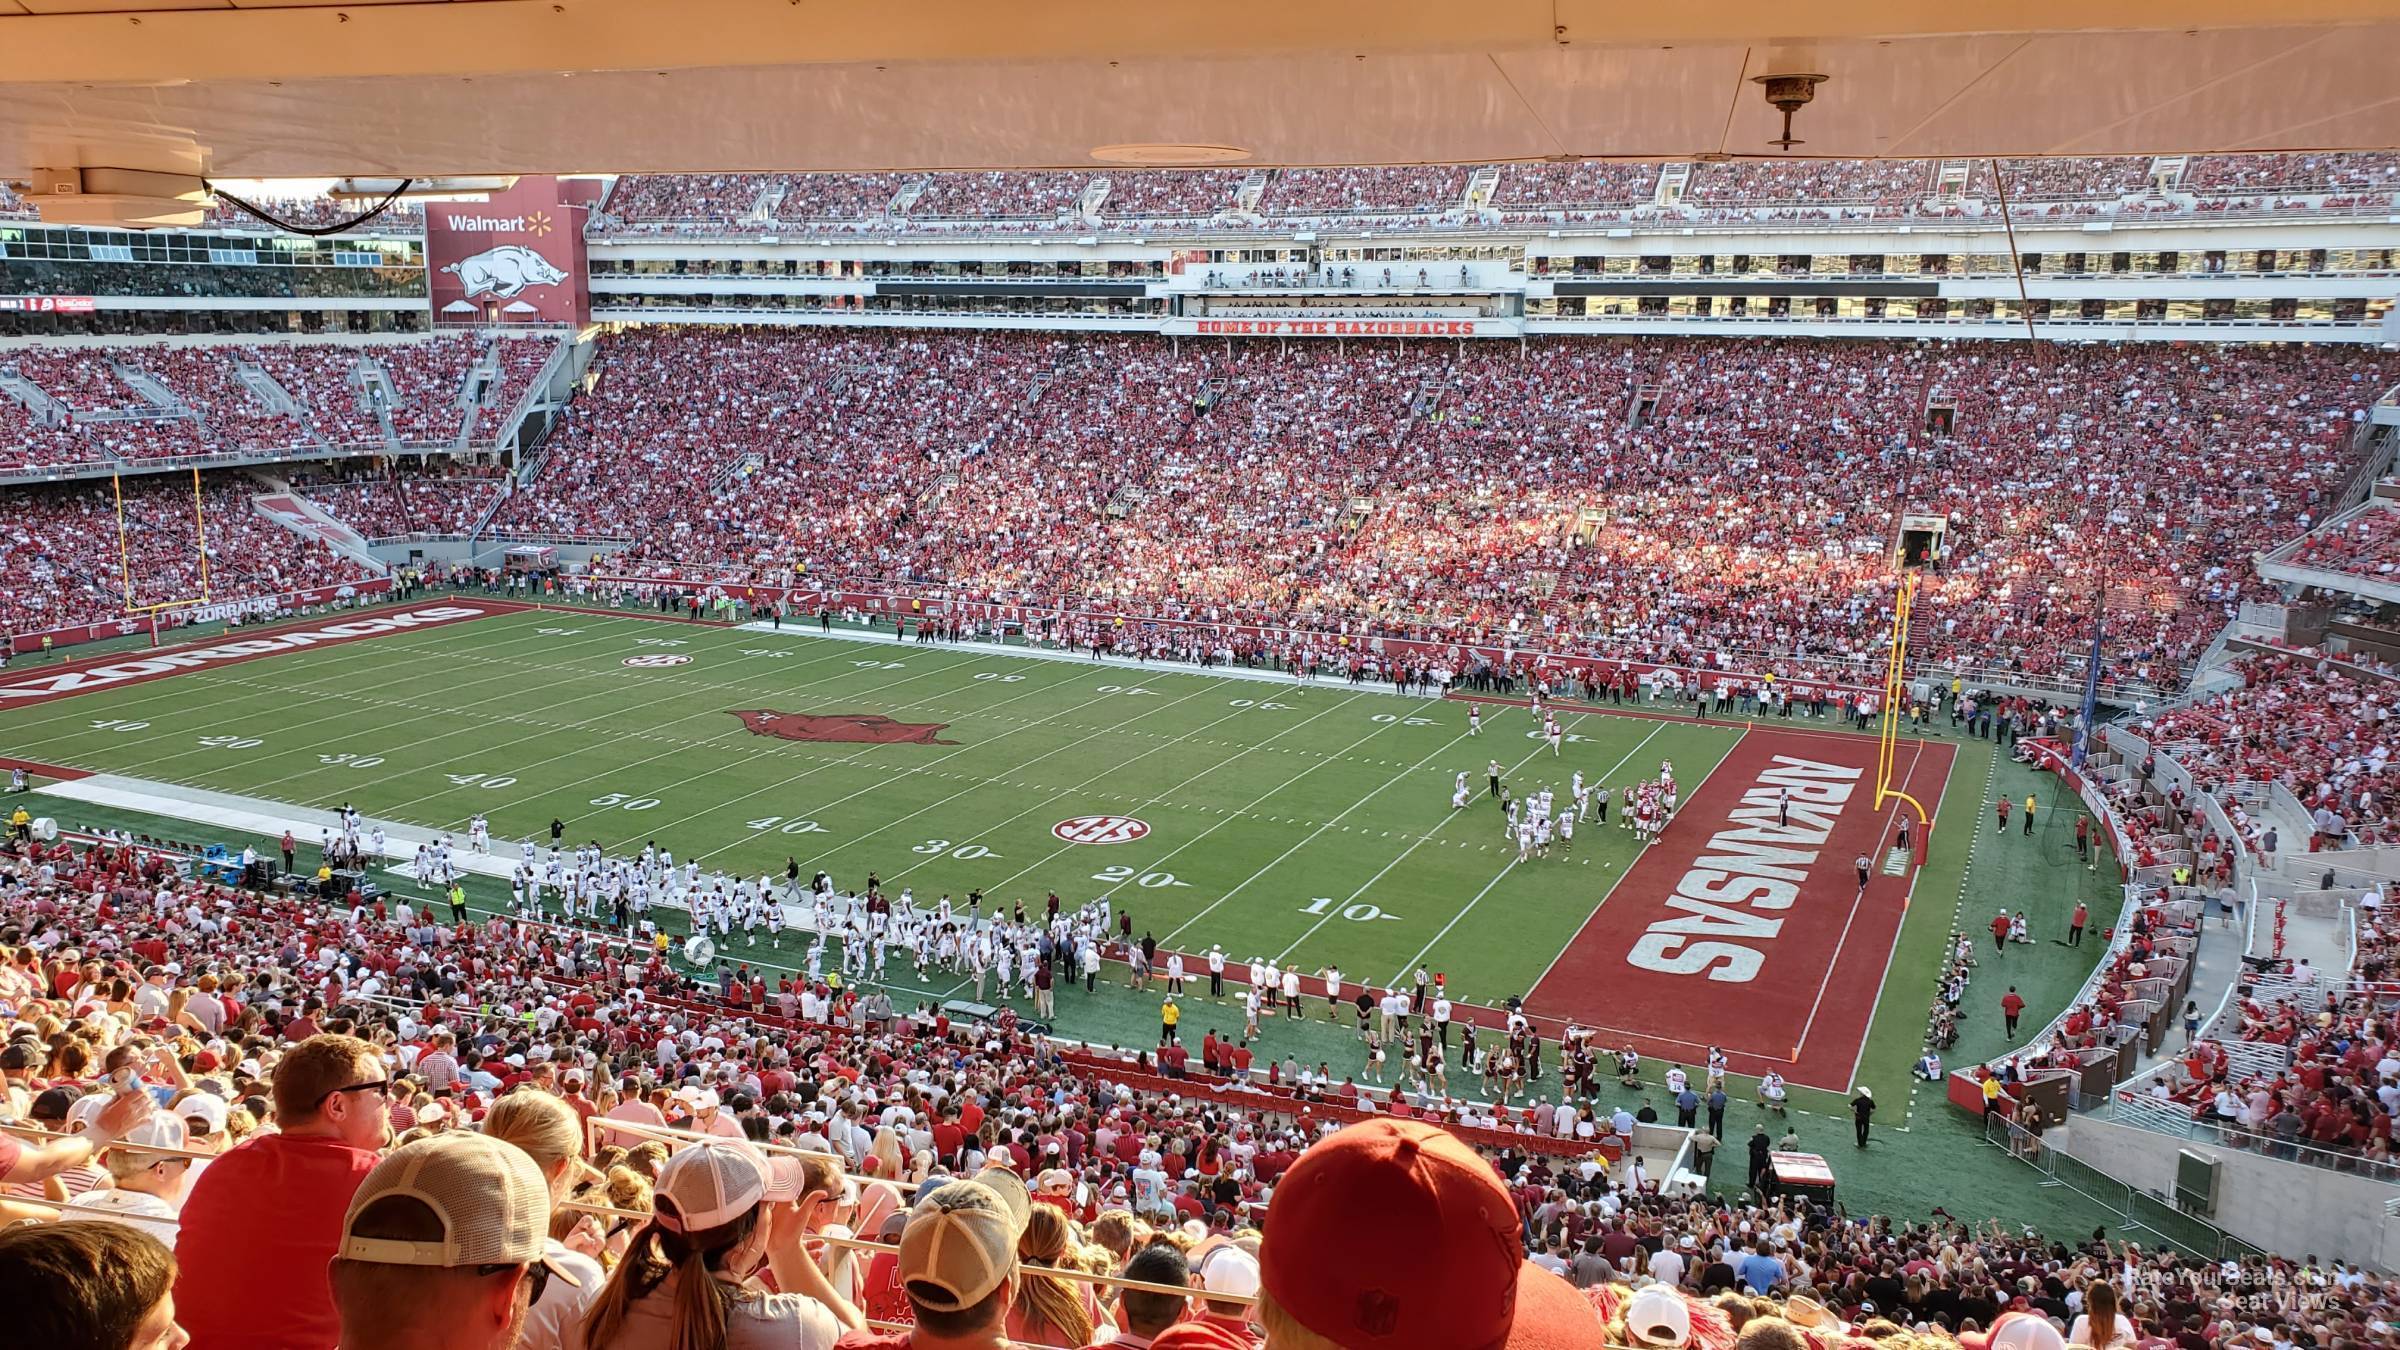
<point x="298" y="88"/>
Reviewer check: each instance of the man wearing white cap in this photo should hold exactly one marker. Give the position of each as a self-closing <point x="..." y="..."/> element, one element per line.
<point x="149" y="1186"/>
<point x="444" y="1245"/>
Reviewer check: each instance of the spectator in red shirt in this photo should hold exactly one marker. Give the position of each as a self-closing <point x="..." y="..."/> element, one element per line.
<point x="269" y="1213"/>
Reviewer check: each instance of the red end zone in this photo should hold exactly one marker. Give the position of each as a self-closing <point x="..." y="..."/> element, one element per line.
<point x="1739" y="931"/>
<point x="108" y="672"/>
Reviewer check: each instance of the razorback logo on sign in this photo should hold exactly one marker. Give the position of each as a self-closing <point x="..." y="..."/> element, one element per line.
<point x="867" y="728"/>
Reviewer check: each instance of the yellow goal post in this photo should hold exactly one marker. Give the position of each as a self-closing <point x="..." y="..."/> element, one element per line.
<point x="1895" y="688"/>
<point x="116" y="484"/>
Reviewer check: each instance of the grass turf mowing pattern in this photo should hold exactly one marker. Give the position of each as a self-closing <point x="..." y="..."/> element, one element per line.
<point x="1306" y="823"/>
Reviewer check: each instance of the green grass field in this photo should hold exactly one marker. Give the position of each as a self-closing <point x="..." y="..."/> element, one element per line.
<point x="1303" y="823"/>
<point x="1311" y="823"/>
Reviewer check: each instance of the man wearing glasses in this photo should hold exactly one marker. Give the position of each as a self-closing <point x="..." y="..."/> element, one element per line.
<point x="263" y="1219"/>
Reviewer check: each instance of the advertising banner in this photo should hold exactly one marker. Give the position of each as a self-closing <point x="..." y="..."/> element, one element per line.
<point x="1343" y="327"/>
<point x="516" y="258"/>
<point x="48" y="304"/>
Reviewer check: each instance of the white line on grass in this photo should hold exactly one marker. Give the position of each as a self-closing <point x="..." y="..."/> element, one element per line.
<point x="814" y="811"/>
<point x="1145" y="802"/>
<point x="1243" y="812"/>
<point x="1637" y="857"/>
<point x="980" y="784"/>
<point x="612" y="688"/>
<point x="1907" y="903"/>
<point x="171" y="689"/>
<point x="1505" y="869"/>
<point x="303" y="693"/>
<point x="1310" y="838"/>
<point x="1834" y="963"/>
<point x="765" y="752"/>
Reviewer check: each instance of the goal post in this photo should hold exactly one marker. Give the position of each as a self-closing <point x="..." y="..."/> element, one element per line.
<point x="116" y="483"/>
<point x="1887" y="740"/>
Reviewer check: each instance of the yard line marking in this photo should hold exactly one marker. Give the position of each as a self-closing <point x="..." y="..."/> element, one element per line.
<point x="1857" y="1065"/>
<point x="1244" y="810"/>
<point x="1310" y="837"/>
<point x="813" y="811"/>
<point x="1612" y="886"/>
<point x="1505" y="869"/>
<point x="820" y="766"/>
<point x="1155" y="800"/>
<point x="972" y="787"/>
<point x="146" y="767"/>
<point x="610" y="688"/>
<point x="179" y="686"/>
<point x="1852" y="917"/>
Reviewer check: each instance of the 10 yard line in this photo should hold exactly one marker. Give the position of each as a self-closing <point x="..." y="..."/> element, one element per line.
<point x="1506" y="869"/>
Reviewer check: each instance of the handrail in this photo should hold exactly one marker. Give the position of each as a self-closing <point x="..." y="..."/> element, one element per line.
<point x="37" y="1132"/>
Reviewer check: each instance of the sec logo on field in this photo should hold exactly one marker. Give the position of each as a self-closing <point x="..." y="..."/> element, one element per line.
<point x="1101" y="829"/>
<point x="658" y="659"/>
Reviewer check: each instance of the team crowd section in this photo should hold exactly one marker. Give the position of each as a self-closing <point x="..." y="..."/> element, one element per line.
<point x="1750" y="513"/>
<point x="2311" y="723"/>
<point x="1580" y="189"/>
<point x="316" y="1056"/>
<point x="1442" y="492"/>
<point x="68" y="563"/>
<point x="2328" y="1083"/>
<point x="1427" y="195"/>
<point x="2367" y="545"/>
<point x="209" y="409"/>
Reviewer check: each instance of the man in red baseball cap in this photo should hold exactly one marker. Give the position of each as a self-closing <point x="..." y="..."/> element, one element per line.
<point x="1394" y="1234"/>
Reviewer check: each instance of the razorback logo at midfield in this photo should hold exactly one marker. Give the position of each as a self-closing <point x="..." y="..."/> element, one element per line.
<point x="870" y="728"/>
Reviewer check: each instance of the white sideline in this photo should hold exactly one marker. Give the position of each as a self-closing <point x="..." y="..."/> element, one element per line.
<point x="256" y="815"/>
<point x="1116" y="663"/>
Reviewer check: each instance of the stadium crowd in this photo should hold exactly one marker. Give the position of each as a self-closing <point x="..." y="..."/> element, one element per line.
<point x="1422" y="195"/>
<point x="2367" y="545"/>
<point x="2303" y="720"/>
<point x="236" y="1086"/>
<point x="211" y="411"/>
<point x="381" y="505"/>
<point x="401" y="217"/>
<point x="1540" y="499"/>
<point x="60" y="548"/>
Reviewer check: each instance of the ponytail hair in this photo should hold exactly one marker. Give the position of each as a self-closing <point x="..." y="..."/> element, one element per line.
<point x="1047" y="1300"/>
<point x="2100" y="1313"/>
<point x="703" y="1302"/>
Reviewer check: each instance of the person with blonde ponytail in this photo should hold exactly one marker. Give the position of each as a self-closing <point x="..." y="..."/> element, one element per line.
<point x="722" y="1211"/>
<point x="1049" y="1310"/>
<point x="549" y="1132"/>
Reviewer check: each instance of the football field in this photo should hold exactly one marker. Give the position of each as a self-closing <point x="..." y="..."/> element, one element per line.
<point x="1306" y="823"/>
